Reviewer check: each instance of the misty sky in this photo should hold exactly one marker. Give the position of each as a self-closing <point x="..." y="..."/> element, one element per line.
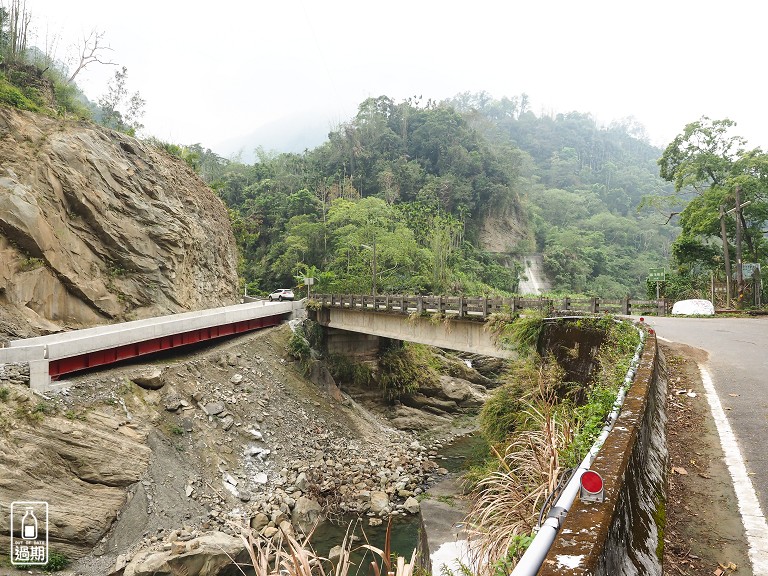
<point x="213" y="72"/>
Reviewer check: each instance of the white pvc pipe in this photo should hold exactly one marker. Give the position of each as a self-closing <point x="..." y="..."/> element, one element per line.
<point x="534" y="556"/>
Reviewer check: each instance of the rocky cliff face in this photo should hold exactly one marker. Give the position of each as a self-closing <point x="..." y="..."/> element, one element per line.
<point x="83" y="468"/>
<point x="96" y="226"/>
<point x="501" y="234"/>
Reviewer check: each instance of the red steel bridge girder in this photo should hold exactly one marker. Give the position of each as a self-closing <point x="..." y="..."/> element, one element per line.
<point x="63" y="366"/>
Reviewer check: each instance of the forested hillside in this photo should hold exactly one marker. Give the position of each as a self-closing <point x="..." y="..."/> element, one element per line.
<point x="583" y="188"/>
<point x="397" y="195"/>
<point x="403" y="195"/>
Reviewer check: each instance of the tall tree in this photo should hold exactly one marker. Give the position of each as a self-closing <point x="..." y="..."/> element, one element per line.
<point x="14" y="26"/>
<point x="92" y="50"/>
<point x="707" y="164"/>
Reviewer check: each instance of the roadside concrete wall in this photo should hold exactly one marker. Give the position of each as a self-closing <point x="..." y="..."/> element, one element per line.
<point x="623" y="535"/>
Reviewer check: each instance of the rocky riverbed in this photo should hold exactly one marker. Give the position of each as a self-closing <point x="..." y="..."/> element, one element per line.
<point x="227" y="437"/>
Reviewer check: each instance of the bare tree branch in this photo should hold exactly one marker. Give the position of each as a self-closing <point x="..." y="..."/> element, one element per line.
<point x="91" y="51"/>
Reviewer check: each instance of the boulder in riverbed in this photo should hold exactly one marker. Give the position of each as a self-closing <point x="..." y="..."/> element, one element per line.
<point x="152" y="380"/>
<point x="215" y="552"/>
<point x="379" y="502"/>
<point x="306" y="513"/>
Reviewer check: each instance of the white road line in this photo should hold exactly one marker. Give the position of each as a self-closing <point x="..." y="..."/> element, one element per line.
<point x="663" y="339"/>
<point x="751" y="516"/>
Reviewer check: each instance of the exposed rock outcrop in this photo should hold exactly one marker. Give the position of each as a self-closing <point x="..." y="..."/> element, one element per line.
<point x="82" y="469"/>
<point x="96" y="225"/>
<point x="501" y="233"/>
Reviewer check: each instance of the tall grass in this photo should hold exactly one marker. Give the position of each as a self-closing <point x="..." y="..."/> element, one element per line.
<point x="284" y="555"/>
<point x="614" y="358"/>
<point x="519" y="332"/>
<point x="404" y="369"/>
<point x="506" y="503"/>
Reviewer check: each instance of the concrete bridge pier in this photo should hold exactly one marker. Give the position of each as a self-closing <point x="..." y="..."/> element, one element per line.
<point x="353" y="345"/>
<point x="39" y="377"/>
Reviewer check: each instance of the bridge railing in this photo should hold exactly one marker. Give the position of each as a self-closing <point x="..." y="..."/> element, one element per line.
<point x="480" y="307"/>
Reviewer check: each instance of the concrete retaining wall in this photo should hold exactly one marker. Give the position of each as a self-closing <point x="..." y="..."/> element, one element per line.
<point x="623" y="535"/>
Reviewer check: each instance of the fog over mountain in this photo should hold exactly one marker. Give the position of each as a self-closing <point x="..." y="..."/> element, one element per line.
<point x="296" y="133"/>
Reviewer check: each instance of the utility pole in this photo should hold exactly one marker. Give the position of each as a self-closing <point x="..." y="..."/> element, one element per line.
<point x="726" y="257"/>
<point x="739" y="269"/>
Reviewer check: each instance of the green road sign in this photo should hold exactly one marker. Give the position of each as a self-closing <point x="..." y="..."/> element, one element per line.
<point x="657" y="275"/>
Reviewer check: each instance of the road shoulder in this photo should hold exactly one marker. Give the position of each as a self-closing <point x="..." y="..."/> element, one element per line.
<point x="704" y="532"/>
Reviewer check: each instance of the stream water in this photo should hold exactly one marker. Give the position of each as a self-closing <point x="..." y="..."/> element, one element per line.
<point x="455" y="457"/>
<point x="464" y="452"/>
<point x="404" y="537"/>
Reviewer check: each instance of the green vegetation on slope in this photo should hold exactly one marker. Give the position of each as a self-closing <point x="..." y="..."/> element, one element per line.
<point x="538" y="426"/>
<point x="584" y="186"/>
<point x="414" y="184"/>
<point x="33" y="79"/>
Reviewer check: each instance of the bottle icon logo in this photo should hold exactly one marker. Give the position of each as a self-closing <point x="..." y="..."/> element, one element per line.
<point x="29" y="533"/>
<point x="29" y="525"/>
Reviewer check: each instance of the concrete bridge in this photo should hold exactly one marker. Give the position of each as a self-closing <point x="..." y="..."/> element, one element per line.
<point x="354" y="323"/>
<point x="55" y="355"/>
<point x="356" y="330"/>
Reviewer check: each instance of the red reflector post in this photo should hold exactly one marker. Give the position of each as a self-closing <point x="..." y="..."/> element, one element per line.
<point x="591" y="487"/>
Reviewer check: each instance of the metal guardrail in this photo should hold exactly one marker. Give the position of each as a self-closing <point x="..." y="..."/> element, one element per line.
<point x="481" y="308"/>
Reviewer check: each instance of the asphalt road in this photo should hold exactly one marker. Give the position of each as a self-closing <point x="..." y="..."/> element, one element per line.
<point x="738" y="365"/>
